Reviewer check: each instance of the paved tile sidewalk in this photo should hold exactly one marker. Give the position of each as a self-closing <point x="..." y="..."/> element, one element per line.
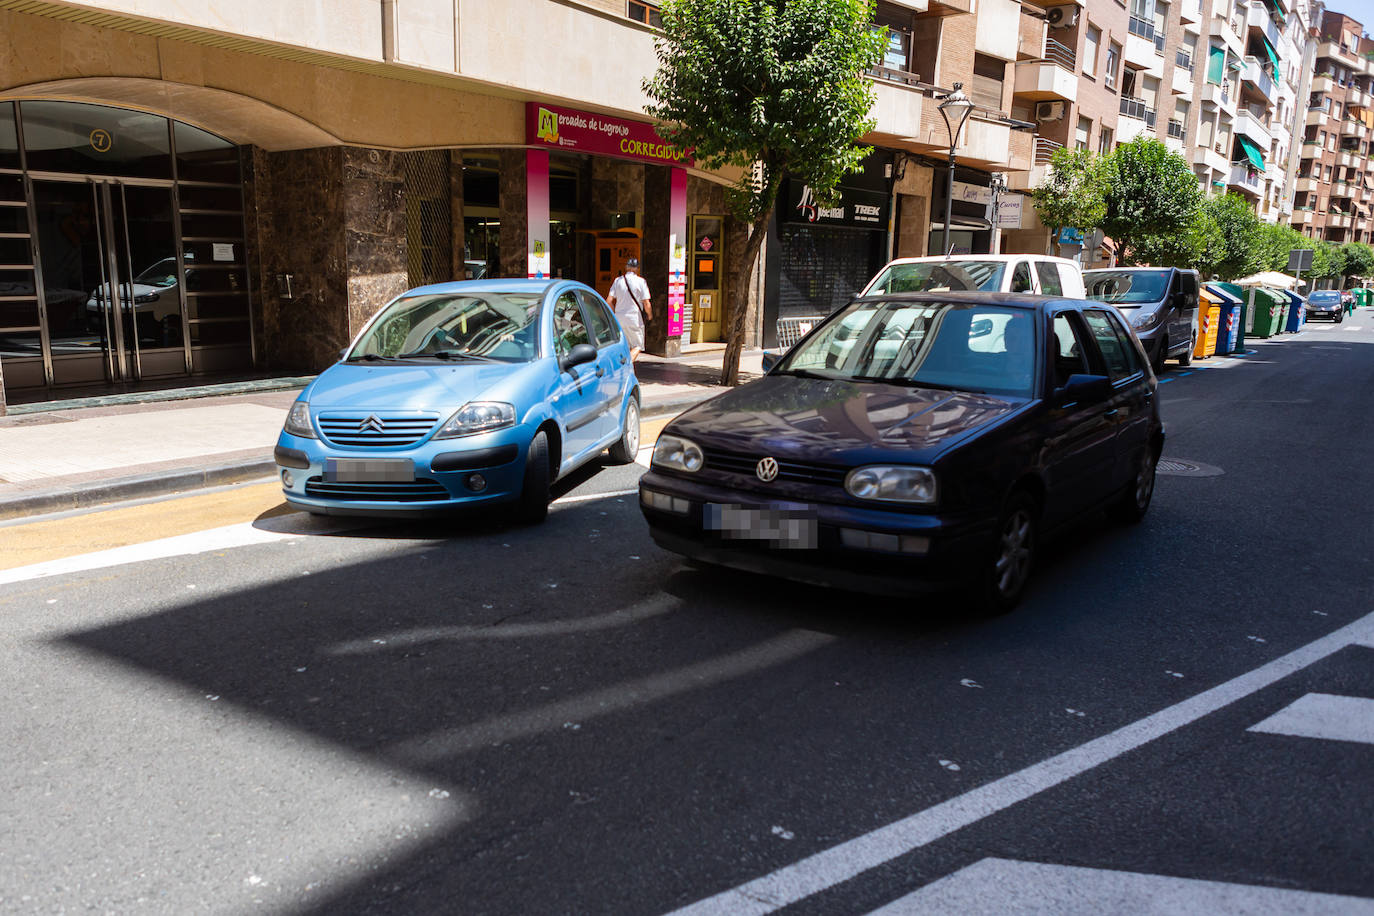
<point x="57" y="459"/>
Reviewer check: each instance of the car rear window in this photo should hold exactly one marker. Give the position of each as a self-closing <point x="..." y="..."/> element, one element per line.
<point x="938" y="276"/>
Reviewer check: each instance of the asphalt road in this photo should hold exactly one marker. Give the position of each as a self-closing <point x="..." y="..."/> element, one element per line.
<point x="231" y="707"/>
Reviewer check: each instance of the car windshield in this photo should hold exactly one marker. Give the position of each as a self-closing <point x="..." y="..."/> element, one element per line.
<point x="474" y="325"/>
<point x="1127" y="287"/>
<point x="163" y="274"/>
<point x="938" y="276"/>
<point x="1324" y="297"/>
<point x="960" y="346"/>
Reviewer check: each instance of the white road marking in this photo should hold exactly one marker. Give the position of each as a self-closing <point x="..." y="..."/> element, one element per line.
<point x="840" y="863"/>
<point x="645" y="456"/>
<point x="588" y="497"/>
<point x="995" y="886"/>
<point x="446" y="743"/>
<point x="1323" y="715"/>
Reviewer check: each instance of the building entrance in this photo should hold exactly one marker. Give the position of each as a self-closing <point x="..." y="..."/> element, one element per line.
<point x="108" y="262"/>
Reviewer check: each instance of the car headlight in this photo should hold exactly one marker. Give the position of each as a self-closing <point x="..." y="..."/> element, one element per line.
<point x="678" y="454"/>
<point x="478" y="417"/>
<point x="1146" y="321"/>
<point x="298" y="420"/>
<point x="892" y="483"/>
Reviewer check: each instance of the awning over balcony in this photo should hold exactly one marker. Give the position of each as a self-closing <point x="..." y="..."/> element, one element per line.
<point x="1269" y="49"/>
<point x="1252" y="151"/>
<point x="1277" y="11"/>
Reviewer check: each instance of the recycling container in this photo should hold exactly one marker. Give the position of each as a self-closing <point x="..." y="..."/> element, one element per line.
<point x="1229" y="337"/>
<point x="1297" y="315"/>
<point x="1208" y="316"/>
<point x="1281" y="307"/>
<point x="1262" y="316"/>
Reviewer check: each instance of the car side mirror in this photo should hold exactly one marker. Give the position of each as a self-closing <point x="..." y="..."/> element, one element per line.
<point x="579" y="355"/>
<point x="1081" y="388"/>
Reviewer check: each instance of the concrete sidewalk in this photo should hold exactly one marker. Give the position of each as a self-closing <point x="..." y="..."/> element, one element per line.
<point x="73" y="454"/>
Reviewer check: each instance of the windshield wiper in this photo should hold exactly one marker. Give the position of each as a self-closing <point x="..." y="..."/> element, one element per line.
<point x="370" y="357"/>
<point x="810" y="373"/>
<point x="906" y="382"/>
<point x="442" y="354"/>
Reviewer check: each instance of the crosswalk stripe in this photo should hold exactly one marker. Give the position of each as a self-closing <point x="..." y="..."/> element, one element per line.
<point x="995" y="886"/>
<point x="1323" y="715"/>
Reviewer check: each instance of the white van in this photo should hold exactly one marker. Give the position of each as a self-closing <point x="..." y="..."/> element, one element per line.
<point x="1007" y="273"/>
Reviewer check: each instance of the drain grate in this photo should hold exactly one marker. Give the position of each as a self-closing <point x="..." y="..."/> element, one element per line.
<point x="1182" y="467"/>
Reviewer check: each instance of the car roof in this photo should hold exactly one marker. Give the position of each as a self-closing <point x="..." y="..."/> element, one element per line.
<point x="486" y="286"/>
<point x="1005" y="258"/>
<point x="1132" y="270"/>
<point x="1025" y="301"/>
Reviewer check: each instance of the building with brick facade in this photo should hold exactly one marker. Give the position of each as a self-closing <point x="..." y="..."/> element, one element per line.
<point x="1335" y="182"/>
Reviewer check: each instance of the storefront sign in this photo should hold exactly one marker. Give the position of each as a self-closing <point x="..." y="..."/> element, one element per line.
<point x="600" y="135"/>
<point x="1009" y="211"/>
<point x="972" y="193"/>
<point x="678" y="322"/>
<point x="857" y="207"/>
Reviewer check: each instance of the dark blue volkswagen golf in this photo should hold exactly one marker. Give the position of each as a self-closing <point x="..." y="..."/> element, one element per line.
<point x="915" y="441"/>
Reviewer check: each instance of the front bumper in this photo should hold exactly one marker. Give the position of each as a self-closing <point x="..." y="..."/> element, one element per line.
<point x="444" y="475"/>
<point x="952" y="545"/>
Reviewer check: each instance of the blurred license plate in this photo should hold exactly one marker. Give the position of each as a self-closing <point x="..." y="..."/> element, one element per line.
<point x="369" y="470"/>
<point x="779" y="527"/>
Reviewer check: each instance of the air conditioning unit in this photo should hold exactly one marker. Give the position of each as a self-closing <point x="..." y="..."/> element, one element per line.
<point x="1049" y="111"/>
<point x="1061" y="17"/>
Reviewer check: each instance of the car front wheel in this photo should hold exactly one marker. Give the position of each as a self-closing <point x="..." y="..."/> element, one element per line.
<point x="1003" y="579"/>
<point x="1157" y="364"/>
<point x="533" y="505"/>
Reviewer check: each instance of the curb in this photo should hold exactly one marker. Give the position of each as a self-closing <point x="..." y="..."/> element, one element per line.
<point x="100" y="493"/>
<point x="143" y="485"/>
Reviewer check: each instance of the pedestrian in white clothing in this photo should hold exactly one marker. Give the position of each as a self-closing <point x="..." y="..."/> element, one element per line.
<point x="629" y="298"/>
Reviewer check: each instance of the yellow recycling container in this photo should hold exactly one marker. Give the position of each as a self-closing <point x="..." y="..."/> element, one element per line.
<point x="1208" y="323"/>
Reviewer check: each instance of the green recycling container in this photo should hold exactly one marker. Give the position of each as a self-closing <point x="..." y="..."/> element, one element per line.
<point x="1283" y="305"/>
<point x="1262" y="320"/>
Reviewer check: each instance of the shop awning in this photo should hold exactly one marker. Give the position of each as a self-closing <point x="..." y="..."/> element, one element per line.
<point x="1252" y="151"/>
<point x="1277" y="11"/>
<point x="1269" y="49"/>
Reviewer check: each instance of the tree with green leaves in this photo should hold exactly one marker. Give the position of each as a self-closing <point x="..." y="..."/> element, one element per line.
<point x="1151" y="191"/>
<point x="775" y="88"/>
<point x="1242" y="248"/>
<point x="1357" y="260"/>
<point x="1072" y="195"/>
<point x="1327" y="261"/>
<point x="1191" y="248"/>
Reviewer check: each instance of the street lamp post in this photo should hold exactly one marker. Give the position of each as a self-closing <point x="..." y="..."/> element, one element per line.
<point x="957" y="105"/>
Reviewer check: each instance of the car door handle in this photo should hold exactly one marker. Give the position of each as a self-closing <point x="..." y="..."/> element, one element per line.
<point x="1113" y="412"/>
<point x="600" y="371"/>
<point x="1149" y="395"/>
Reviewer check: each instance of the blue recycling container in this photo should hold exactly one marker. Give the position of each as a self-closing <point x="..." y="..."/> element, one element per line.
<point x="1229" y="324"/>
<point x="1297" y="315"/>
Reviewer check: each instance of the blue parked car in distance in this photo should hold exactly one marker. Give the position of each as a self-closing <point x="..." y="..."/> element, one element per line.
<point x="460" y="394"/>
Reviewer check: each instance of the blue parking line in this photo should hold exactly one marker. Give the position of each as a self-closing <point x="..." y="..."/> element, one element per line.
<point x="1189" y="372"/>
<point x="1165" y="380"/>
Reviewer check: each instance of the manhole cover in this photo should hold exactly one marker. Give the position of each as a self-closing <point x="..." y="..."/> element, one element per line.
<point x="1182" y="467"/>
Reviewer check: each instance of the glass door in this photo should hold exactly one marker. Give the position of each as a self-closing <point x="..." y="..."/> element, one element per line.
<point x="110" y="277"/>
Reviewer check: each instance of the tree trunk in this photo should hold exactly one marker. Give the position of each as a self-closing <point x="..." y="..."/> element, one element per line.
<point x="737" y="303"/>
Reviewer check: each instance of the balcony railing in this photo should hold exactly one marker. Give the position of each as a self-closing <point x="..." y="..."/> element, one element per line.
<point x="1045" y="149"/>
<point x="1176" y="129"/>
<point x="1136" y="108"/>
<point x="1183" y="60"/>
<point x="1056" y="52"/>
<point x="1159" y="42"/>
<point x="1142" y="27"/>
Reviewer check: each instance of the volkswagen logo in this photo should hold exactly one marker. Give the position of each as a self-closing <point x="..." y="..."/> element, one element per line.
<point x="373" y="423"/>
<point x="767" y="469"/>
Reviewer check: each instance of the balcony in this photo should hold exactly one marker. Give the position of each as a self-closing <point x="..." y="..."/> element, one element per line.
<point x="1217" y="95"/>
<point x="896" y="107"/>
<point x="1317" y="117"/>
<point x="1182" y="83"/>
<point x="1358" y="98"/>
<point x="1226" y="31"/>
<point x="1210" y="158"/>
<point x="1252" y="127"/>
<point x="1176" y="129"/>
<point x="1341" y="189"/>
<point x="1253" y="75"/>
<point x="1245" y="177"/>
<point x="1258" y="19"/>
<point x="1306" y="185"/>
<point x="1334" y="50"/>
<point x="1052" y="77"/>
<point x="1136" y="108"/>
<point x="1190" y="11"/>
<point x="1302" y="217"/>
<point x="1354" y="129"/>
<point x="1349" y="159"/>
<point x="1140" y="44"/>
<point x="1338" y="220"/>
<point x="1324" y="83"/>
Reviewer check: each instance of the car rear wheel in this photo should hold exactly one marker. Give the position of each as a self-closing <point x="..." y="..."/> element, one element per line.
<point x="1134" y="503"/>
<point x="626" y="449"/>
<point x="533" y="505"/>
<point x="1003" y="579"/>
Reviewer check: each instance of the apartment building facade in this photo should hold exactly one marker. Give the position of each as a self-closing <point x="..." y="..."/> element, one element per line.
<point x="1217" y="81"/>
<point x="1335" y="183"/>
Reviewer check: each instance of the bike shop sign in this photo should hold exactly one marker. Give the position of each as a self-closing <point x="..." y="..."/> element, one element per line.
<point x="856" y="207"/>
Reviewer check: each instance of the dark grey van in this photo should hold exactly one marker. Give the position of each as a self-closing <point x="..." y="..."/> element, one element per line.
<point x="1160" y="303"/>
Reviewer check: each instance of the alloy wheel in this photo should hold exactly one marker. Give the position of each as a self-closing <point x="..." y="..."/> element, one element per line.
<point x="1014" y="562"/>
<point x="1145" y="481"/>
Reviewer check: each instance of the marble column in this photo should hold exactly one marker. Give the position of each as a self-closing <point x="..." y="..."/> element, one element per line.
<point x="374" y="215"/>
<point x="653" y="257"/>
<point x="514" y="215"/>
